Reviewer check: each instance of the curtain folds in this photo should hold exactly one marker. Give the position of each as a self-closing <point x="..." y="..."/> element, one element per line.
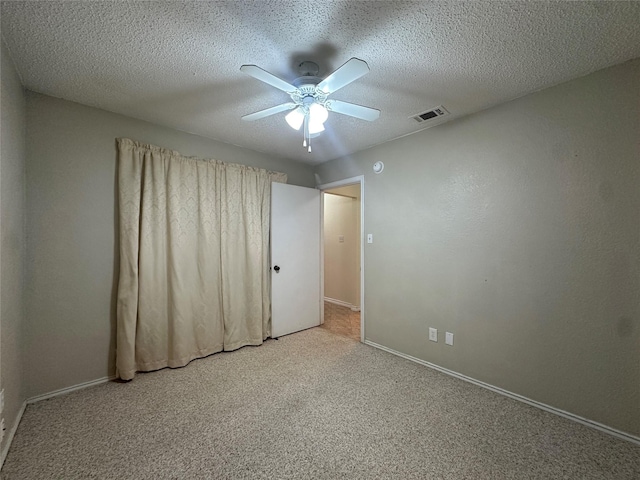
<point x="194" y="251"/>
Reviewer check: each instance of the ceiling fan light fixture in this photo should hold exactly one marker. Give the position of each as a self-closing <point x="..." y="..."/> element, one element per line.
<point x="295" y="118"/>
<point x="315" y="127"/>
<point x="318" y="113"/>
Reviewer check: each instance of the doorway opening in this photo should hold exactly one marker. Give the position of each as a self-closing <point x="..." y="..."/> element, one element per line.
<point x="342" y="257"/>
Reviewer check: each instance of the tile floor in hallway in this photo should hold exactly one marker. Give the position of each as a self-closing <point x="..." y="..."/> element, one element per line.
<point x="341" y="320"/>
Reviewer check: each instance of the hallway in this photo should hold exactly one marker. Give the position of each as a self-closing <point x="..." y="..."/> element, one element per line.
<point x="341" y="320"/>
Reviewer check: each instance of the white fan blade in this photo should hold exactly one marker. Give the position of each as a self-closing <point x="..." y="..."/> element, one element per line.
<point x="352" y="70"/>
<point x="353" y="110"/>
<point x="266" y="77"/>
<point x="269" y="111"/>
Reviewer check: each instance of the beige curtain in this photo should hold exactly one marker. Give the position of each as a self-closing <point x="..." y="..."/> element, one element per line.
<point x="194" y="248"/>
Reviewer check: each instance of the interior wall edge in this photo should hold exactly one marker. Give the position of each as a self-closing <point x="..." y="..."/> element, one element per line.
<point x="12" y="433"/>
<point x="12" y="242"/>
<point x="520" y="398"/>
<point x="72" y="388"/>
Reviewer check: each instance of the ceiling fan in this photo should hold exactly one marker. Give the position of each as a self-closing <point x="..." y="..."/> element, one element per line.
<point x="310" y="105"/>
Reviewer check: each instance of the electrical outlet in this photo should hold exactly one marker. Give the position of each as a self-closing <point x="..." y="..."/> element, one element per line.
<point x="448" y="338"/>
<point x="433" y="334"/>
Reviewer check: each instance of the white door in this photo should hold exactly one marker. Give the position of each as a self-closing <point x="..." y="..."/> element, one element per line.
<point x="295" y="258"/>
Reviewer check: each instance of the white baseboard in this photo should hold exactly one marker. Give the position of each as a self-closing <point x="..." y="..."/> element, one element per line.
<point x="355" y="308"/>
<point x="44" y="396"/>
<point x="576" y="418"/>
<point x="12" y="432"/>
<point x="70" y="389"/>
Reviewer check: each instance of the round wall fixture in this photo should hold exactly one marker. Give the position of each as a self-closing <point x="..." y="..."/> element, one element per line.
<point x="378" y="167"/>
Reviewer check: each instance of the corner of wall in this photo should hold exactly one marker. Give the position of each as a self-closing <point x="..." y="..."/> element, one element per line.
<point x="12" y="246"/>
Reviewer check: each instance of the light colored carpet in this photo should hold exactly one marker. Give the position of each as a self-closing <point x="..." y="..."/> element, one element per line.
<point x="310" y="405"/>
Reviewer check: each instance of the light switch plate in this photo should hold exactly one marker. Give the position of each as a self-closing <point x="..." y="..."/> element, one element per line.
<point x="433" y="334"/>
<point x="340" y="238"/>
<point x="370" y="238"/>
<point x="448" y="338"/>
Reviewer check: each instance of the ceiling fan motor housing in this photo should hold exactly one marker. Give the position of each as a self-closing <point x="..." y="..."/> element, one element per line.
<point x="306" y="80"/>
<point x="307" y="93"/>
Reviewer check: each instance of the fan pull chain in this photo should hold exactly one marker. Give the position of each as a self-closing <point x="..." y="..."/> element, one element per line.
<point x="306" y="142"/>
<point x="308" y="134"/>
<point x="304" y="131"/>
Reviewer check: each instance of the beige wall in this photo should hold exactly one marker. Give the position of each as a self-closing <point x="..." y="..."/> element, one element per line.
<point x="12" y="247"/>
<point x="342" y="259"/>
<point x="71" y="242"/>
<point x="518" y="230"/>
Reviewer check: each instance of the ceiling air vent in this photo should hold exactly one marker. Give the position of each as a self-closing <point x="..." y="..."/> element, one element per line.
<point x="429" y="114"/>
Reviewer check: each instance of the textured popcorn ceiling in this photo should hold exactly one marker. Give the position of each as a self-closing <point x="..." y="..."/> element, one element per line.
<point x="177" y="63"/>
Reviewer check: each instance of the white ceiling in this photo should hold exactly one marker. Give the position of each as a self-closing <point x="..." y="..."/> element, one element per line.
<point x="177" y="63"/>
